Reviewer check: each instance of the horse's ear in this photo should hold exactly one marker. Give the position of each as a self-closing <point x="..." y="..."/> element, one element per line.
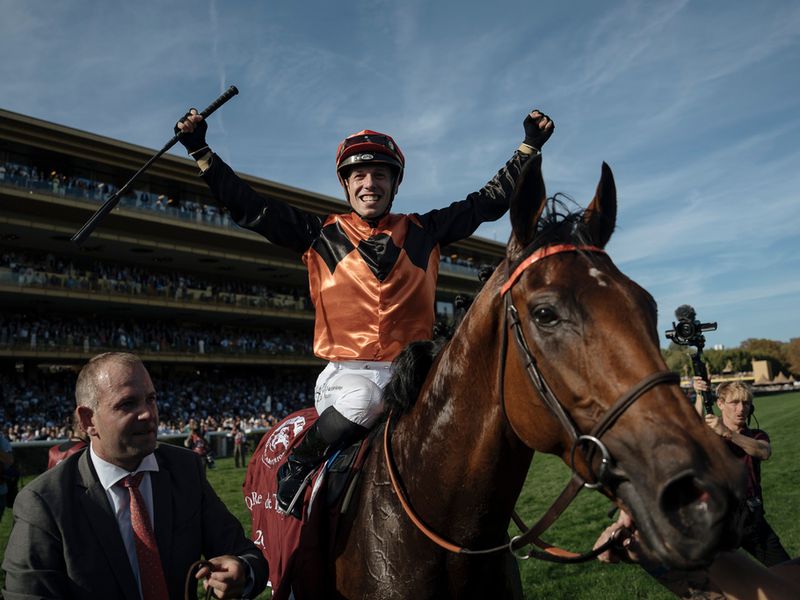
<point x="601" y="215"/>
<point x="527" y="203"/>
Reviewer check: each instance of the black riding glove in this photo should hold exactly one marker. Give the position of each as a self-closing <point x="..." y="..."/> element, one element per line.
<point x="196" y="140"/>
<point x="534" y="136"/>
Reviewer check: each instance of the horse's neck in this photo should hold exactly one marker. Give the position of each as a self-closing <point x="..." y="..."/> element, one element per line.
<point x="455" y="446"/>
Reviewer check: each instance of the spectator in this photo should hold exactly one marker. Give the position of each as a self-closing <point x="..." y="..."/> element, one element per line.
<point x="146" y="512"/>
<point x="197" y="443"/>
<point x="239" y="447"/>
<point x="751" y="447"/>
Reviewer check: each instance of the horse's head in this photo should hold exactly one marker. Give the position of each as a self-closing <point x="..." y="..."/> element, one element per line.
<point x="593" y="351"/>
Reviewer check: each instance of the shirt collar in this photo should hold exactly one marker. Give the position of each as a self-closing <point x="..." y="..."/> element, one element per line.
<point x="109" y="474"/>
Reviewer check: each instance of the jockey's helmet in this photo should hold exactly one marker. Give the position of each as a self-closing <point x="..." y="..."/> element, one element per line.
<point x="369" y="147"/>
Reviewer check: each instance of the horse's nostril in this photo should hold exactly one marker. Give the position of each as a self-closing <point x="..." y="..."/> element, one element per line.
<point x="686" y="502"/>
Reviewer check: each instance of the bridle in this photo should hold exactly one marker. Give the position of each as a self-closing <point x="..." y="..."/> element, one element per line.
<point x="600" y="480"/>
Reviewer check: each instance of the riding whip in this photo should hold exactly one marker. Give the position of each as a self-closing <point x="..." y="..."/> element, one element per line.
<point x="88" y="227"/>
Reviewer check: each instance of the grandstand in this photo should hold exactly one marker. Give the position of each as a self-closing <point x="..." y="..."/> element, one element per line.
<point x="221" y="316"/>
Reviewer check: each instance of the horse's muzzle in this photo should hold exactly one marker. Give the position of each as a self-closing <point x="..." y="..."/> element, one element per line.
<point x="691" y="520"/>
<point x="701" y="519"/>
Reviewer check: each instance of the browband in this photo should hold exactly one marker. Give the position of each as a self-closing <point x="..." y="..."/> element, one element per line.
<point x="544" y="253"/>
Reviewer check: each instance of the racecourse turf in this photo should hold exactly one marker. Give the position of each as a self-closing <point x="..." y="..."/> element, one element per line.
<point x="779" y="415"/>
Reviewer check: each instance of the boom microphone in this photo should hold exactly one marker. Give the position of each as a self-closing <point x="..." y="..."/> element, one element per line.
<point x="685" y="313"/>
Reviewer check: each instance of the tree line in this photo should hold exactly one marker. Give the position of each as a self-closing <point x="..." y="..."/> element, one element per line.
<point x="783" y="356"/>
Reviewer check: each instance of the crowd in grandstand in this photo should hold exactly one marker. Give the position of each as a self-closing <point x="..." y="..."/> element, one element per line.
<point x="58" y="183"/>
<point x="39" y="408"/>
<point x="97" y="334"/>
<point x="48" y="271"/>
<point x="55" y="182"/>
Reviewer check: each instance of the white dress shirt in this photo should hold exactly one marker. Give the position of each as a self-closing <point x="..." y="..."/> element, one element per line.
<point x="120" y="500"/>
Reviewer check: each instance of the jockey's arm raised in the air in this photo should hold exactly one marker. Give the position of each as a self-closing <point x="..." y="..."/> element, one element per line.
<point x="292" y="228"/>
<point x="461" y="219"/>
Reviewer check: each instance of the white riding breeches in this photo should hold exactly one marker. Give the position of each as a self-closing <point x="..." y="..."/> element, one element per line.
<point x="354" y="389"/>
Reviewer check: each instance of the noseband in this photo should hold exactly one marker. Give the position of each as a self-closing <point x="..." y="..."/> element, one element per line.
<point x="592" y="441"/>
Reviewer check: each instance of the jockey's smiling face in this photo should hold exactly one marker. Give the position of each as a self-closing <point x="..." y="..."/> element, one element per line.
<point x="369" y="188"/>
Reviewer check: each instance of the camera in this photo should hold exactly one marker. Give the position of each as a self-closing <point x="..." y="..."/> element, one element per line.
<point x="688" y="330"/>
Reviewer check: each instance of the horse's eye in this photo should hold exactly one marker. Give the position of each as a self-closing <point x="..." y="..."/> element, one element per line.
<point x="545" y="315"/>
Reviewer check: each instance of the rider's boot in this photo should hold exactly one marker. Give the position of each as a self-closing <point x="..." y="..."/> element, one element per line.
<point x="329" y="433"/>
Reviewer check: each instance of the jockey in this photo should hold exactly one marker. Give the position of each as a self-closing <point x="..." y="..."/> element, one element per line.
<point x="372" y="273"/>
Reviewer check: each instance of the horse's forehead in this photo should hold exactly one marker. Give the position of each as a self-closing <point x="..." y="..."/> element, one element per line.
<point x="582" y="273"/>
<point x="599" y="280"/>
<point x="598" y="276"/>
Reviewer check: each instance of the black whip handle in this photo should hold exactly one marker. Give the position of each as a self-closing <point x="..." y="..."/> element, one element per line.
<point x="226" y="95"/>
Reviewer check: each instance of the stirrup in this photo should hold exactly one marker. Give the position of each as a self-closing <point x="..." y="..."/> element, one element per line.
<point x="295" y="508"/>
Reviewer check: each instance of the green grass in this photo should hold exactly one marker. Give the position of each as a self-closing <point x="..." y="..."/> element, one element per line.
<point x="779" y="415"/>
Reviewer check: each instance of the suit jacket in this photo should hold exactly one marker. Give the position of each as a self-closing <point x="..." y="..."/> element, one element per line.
<point x="65" y="542"/>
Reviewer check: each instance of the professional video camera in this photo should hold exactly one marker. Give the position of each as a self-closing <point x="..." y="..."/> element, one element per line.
<point x="688" y="331"/>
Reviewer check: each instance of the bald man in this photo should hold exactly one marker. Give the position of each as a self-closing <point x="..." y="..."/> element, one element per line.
<point x="128" y="517"/>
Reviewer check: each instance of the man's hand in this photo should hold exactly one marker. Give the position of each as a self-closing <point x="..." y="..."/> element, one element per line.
<point x="628" y="550"/>
<point x="699" y="384"/>
<point x="538" y="129"/>
<point x="718" y="427"/>
<point x="227" y="576"/>
<point x="194" y="130"/>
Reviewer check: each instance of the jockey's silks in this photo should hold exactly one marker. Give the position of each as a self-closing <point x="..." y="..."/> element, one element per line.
<point x="373" y="288"/>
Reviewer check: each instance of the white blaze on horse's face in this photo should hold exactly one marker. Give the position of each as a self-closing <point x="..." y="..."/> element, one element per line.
<point x="598" y="275"/>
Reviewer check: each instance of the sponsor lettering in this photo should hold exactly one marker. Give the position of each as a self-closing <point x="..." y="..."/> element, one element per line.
<point x="253" y="499"/>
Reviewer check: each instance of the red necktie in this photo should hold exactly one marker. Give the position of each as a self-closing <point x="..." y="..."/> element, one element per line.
<point x="154" y="586"/>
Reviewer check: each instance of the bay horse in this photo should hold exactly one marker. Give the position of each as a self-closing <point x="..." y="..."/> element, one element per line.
<point x="557" y="345"/>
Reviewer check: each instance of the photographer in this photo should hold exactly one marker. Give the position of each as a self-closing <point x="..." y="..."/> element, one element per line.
<point x="751" y="446"/>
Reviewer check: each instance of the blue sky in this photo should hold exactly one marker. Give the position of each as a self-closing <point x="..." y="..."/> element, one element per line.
<point x="694" y="105"/>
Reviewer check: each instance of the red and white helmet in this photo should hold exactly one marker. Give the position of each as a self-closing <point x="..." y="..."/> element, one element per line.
<point x="369" y="147"/>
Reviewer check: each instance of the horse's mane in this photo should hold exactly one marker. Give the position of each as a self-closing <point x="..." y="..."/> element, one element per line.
<point x="411" y="369"/>
<point x="557" y="224"/>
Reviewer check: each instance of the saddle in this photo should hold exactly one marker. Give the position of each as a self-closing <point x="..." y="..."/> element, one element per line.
<point x="295" y="548"/>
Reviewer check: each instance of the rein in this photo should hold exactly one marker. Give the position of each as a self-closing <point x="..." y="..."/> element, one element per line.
<point x="190" y="588"/>
<point x="577" y="482"/>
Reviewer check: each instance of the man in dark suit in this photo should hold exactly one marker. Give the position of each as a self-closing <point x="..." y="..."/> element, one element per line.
<point x="83" y="529"/>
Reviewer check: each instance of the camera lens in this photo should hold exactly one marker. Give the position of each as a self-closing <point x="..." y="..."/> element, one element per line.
<point x="685" y="329"/>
